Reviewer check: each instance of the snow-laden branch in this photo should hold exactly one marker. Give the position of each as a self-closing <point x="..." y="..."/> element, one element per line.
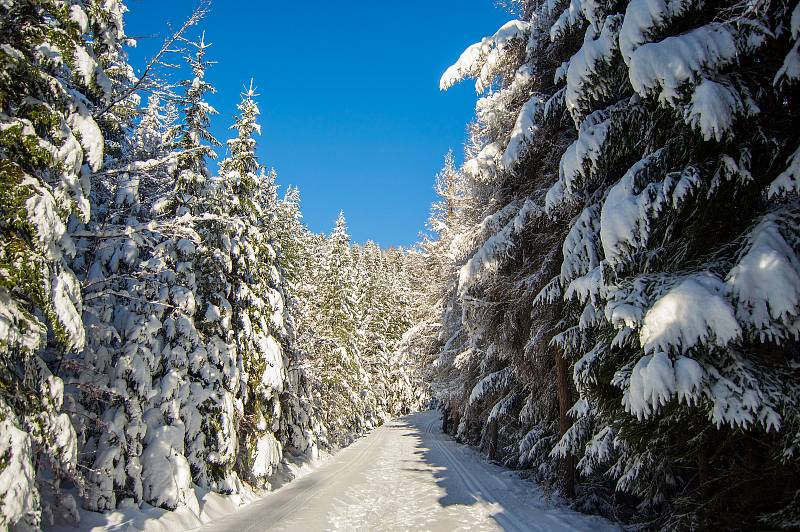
<point x="145" y="79"/>
<point x="179" y="226"/>
<point x="150" y="164"/>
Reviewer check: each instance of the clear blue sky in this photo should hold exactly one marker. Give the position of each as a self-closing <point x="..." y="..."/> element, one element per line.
<point x="351" y="111"/>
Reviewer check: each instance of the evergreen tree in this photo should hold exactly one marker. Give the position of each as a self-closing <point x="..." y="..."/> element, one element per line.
<point x="670" y="224"/>
<point x="342" y="374"/>
<point x="178" y="439"/>
<point x="301" y="425"/>
<point x="120" y="264"/>
<point x="496" y="392"/>
<point x="193" y="139"/>
<point x="614" y="144"/>
<point x="248" y="298"/>
<point x="51" y="83"/>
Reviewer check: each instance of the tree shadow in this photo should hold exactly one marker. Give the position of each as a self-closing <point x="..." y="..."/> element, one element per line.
<point x="460" y="486"/>
<point x="468" y="478"/>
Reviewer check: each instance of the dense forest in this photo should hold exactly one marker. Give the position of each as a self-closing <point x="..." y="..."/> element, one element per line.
<point x="618" y="278"/>
<point x="607" y="297"/>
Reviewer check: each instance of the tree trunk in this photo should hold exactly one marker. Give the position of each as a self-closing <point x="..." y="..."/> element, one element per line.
<point x="493" y="440"/>
<point x="702" y="479"/>
<point x="564" y="392"/>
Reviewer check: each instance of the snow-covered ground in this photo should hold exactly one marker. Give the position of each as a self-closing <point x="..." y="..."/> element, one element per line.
<point x="211" y="507"/>
<point x="407" y="475"/>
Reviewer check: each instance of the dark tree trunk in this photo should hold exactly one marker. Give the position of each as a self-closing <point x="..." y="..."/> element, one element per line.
<point x="493" y="440"/>
<point x="702" y="479"/>
<point x="564" y="392"/>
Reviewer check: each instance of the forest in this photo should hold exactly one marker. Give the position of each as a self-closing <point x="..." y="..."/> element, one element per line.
<point x="606" y="297"/>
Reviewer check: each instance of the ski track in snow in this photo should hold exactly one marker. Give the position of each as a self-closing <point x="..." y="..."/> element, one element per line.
<point x="407" y="475"/>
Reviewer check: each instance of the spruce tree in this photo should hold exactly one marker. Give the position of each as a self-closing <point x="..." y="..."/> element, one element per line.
<point x="301" y="423"/>
<point x="682" y="132"/>
<point x="175" y="446"/>
<point x="343" y="377"/>
<point x="51" y="84"/>
<point x="247" y="303"/>
<point x="631" y="162"/>
<point x="119" y="263"/>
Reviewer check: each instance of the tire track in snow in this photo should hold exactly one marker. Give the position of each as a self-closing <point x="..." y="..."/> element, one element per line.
<point x="302" y="492"/>
<point x="407" y="475"/>
<point x="521" y="513"/>
<point x="476" y="486"/>
<point x="391" y="497"/>
<point x="311" y="493"/>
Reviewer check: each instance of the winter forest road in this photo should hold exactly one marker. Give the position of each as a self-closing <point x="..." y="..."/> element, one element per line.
<point x="406" y="475"/>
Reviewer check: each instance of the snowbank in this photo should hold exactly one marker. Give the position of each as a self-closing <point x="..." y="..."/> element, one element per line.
<point x="211" y="506"/>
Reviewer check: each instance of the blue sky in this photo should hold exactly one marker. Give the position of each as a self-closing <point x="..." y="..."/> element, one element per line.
<point x="351" y="109"/>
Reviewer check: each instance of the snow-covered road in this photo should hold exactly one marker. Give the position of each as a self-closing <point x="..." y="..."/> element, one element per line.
<point x="406" y="475"/>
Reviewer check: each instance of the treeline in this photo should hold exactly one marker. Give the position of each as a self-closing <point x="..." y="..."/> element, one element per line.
<point x="163" y="325"/>
<point x="617" y="263"/>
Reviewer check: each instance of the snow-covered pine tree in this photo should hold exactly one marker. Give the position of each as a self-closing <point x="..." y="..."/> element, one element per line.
<point x="657" y="152"/>
<point x="682" y="168"/>
<point x="366" y="263"/>
<point x="51" y="84"/>
<point x="154" y="158"/>
<point x="193" y="137"/>
<point x="383" y="317"/>
<point x="114" y="114"/>
<point x="497" y="371"/>
<point x="121" y="270"/>
<point x="123" y="264"/>
<point x="403" y="390"/>
<point x="669" y="190"/>
<point x="398" y="310"/>
<point x="436" y="270"/>
<point x="301" y="423"/>
<point x="245" y="305"/>
<point x="344" y="380"/>
<point x="291" y="236"/>
<point x="179" y="422"/>
<point x="304" y="253"/>
<point x="441" y="332"/>
<point x="109" y="382"/>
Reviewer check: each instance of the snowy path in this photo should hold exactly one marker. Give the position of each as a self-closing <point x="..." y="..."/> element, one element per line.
<point x="406" y="475"/>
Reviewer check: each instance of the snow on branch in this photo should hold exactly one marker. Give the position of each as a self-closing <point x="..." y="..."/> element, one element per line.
<point x="644" y="16"/>
<point x="790" y="70"/>
<point x="493" y="382"/>
<point x="655" y="380"/>
<point x="150" y="164"/>
<point x="690" y="314"/>
<point x="488" y="256"/>
<point x="714" y="106"/>
<point x="479" y="59"/>
<point x="663" y="68"/>
<point x="788" y="182"/>
<point x="765" y="283"/>
<point x="523" y="132"/>
<point x="181" y="226"/>
<point x="599" y="48"/>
